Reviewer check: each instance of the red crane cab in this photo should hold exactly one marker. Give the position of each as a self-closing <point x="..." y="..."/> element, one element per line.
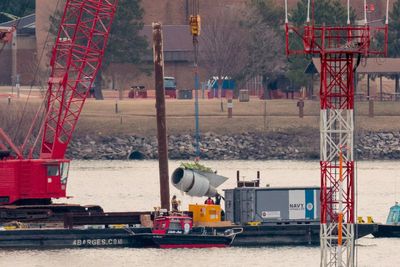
<point x="34" y="181"/>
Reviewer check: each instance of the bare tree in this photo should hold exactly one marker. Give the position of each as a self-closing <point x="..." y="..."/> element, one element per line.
<point x="266" y="46"/>
<point x="122" y="76"/>
<point x="223" y="47"/>
<point x="18" y="120"/>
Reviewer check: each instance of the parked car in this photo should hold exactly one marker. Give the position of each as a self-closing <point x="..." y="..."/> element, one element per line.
<point x="170" y="86"/>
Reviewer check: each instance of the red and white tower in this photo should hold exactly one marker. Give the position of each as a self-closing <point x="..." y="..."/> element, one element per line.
<point x="340" y="50"/>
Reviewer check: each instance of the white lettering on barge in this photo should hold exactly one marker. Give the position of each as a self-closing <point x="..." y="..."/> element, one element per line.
<point x="97" y="242"/>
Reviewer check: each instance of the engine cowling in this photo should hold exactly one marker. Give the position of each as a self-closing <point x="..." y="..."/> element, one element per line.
<point x="197" y="183"/>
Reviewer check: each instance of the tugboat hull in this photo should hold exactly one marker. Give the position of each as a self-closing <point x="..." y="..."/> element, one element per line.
<point x="183" y="241"/>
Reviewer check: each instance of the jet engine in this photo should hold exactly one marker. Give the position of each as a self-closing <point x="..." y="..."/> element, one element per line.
<point x="197" y="183"/>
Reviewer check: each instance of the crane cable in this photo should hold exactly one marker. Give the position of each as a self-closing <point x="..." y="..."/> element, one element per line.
<point x="18" y="128"/>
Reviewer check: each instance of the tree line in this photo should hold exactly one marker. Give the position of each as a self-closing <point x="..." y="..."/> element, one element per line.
<point x="18" y="8"/>
<point x="263" y="51"/>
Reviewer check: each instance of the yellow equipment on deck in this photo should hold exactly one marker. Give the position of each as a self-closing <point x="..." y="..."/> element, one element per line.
<point x="205" y="213"/>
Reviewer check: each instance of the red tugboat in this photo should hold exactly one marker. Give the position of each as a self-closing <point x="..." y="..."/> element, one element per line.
<point x="176" y="231"/>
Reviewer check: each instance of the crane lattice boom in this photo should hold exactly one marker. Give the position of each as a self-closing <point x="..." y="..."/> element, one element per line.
<point x="76" y="58"/>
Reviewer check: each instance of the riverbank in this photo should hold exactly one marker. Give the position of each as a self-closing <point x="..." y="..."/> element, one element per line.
<point x="259" y="130"/>
<point x="299" y="144"/>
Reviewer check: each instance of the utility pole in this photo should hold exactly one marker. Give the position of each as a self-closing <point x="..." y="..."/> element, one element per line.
<point x="161" y="122"/>
<point x="7" y="35"/>
<point x="15" y="76"/>
<point x="14" y="49"/>
<point x="195" y="27"/>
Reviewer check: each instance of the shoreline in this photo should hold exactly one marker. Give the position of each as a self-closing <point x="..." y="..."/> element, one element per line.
<point x="290" y="145"/>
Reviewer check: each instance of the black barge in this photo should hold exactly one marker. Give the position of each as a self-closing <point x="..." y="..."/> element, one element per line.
<point x="261" y="235"/>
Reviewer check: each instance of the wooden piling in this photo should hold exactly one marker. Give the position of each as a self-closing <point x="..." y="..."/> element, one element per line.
<point x="161" y="122"/>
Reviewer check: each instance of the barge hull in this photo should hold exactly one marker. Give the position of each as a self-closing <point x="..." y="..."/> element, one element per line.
<point x="292" y="235"/>
<point x="265" y="235"/>
<point x="69" y="238"/>
<point x="385" y="230"/>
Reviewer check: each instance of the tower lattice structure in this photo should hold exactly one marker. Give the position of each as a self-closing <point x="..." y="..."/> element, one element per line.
<point x="340" y="50"/>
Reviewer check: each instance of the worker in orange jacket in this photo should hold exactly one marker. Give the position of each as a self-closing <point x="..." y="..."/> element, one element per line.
<point x="209" y="201"/>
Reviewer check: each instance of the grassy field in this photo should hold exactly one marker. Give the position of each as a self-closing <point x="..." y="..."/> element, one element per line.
<point x="138" y="116"/>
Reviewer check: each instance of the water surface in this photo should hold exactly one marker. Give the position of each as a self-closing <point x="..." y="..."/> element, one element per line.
<point x="129" y="186"/>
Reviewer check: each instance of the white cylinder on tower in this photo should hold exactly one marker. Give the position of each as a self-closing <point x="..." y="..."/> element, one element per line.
<point x="286" y="12"/>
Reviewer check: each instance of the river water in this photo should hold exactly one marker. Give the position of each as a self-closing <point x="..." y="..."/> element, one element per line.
<point x="129" y="186"/>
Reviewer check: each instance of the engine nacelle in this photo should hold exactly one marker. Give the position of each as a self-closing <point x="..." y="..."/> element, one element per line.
<point x="196" y="183"/>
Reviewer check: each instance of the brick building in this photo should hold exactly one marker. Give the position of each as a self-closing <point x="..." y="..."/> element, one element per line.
<point x="173" y="14"/>
<point x="26" y="53"/>
<point x="177" y="39"/>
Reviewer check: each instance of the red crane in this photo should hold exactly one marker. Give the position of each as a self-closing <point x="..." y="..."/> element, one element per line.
<point x="37" y="171"/>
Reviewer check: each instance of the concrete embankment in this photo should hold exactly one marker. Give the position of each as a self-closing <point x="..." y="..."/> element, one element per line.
<point x="296" y="145"/>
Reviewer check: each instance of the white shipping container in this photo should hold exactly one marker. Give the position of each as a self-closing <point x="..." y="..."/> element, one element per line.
<point x="249" y="204"/>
